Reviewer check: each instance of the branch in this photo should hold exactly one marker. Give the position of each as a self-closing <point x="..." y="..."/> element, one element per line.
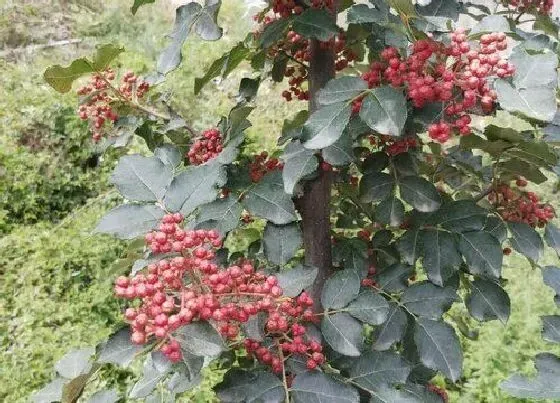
<point x="484" y="193"/>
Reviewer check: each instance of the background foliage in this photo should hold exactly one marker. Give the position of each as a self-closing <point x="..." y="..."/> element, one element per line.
<point x="56" y="276"/>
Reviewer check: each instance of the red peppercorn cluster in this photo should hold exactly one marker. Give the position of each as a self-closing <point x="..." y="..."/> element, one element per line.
<point x="393" y="145"/>
<point x="522" y="6"/>
<point x="369" y="281"/>
<point x="190" y="287"/>
<point x="441" y="392"/>
<point x="99" y="94"/>
<point x="261" y="165"/>
<point x="517" y="205"/>
<point x="285" y="8"/>
<point x="456" y="74"/>
<point x="206" y="147"/>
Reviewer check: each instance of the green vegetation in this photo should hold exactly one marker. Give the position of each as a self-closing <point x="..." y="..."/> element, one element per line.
<point x="56" y="288"/>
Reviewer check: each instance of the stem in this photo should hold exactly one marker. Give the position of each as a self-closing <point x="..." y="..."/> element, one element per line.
<point x="314" y="205"/>
<point x="284" y="380"/>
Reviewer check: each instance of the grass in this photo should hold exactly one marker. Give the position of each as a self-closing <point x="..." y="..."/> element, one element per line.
<point x="55" y="291"/>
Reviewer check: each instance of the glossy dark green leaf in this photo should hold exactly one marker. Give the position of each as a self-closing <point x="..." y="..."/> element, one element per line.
<point x="130" y="220"/>
<point x="526" y="240"/>
<point x="369" y="307"/>
<point x="440" y="255"/>
<point x="299" y="163"/>
<point x="139" y="3"/>
<point x="268" y="200"/>
<point x="461" y="216"/>
<point x="155" y="369"/>
<point x="315" y="23"/>
<point x="491" y="23"/>
<point x="169" y="155"/>
<point x="439" y="347"/>
<point x="551" y="328"/>
<point x="340" y="289"/>
<point x="319" y="387"/>
<point x="118" y="349"/>
<point x="222" y="215"/>
<point x="294" y="281"/>
<point x="394" y="278"/>
<point x="240" y="386"/>
<point x="410" y="246"/>
<point x="281" y="242"/>
<point x="140" y="178"/>
<point x="392" y="330"/>
<point x="292" y="128"/>
<point x="551" y="277"/>
<point x="363" y="14"/>
<point x="544" y="385"/>
<point x="341" y="89"/>
<point x="375" y="162"/>
<point x="343" y="333"/>
<point x="325" y="126"/>
<point x="75" y="363"/>
<point x="428" y="300"/>
<point x="409" y="393"/>
<point x="194" y="187"/>
<point x="385" y="111"/>
<point x="488" y="301"/>
<point x="375" y="369"/>
<point x="482" y="252"/>
<point x="390" y="211"/>
<point x="200" y="338"/>
<point x="376" y="186"/>
<point x="552" y="237"/>
<point x="497" y="228"/>
<point x="419" y="193"/>
<point x="188" y="18"/>
<point x="340" y="153"/>
<point x="273" y="32"/>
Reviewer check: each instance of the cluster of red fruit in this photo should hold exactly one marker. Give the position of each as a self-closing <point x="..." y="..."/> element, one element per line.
<point x="191" y="287"/>
<point x="99" y="94"/>
<point x="368" y="281"/>
<point x="285" y="8"/>
<point x="541" y="6"/>
<point x="261" y="165"/>
<point x="521" y="206"/>
<point x="454" y="74"/>
<point x="206" y="147"/>
<point x="393" y="145"/>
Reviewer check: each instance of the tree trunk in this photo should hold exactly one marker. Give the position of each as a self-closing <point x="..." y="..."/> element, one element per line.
<point x="315" y="202"/>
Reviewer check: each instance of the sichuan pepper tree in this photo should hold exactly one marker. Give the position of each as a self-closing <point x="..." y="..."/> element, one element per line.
<point x="404" y="178"/>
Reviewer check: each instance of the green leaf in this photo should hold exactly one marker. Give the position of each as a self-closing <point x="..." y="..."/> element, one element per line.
<point x="526" y="240"/>
<point x="362" y="14"/>
<point x="299" y="163"/>
<point x="341" y="89"/>
<point x="222" y="215"/>
<point x="222" y="66"/>
<point x="75" y="363"/>
<point x="428" y="300"/>
<point x="169" y="155"/>
<point x="439" y="13"/>
<point x="440" y="255"/>
<point x="104" y="396"/>
<point x="390" y="211"/>
<point x="340" y="153"/>
<point x="375" y="369"/>
<point x="343" y="333"/>
<point x="461" y="216"/>
<point x="139" y="3"/>
<point x="292" y="128"/>
<point x="248" y="88"/>
<point x="392" y="330"/>
<point x="552" y="237"/>
<point x="281" y="242"/>
<point x="200" y="338"/>
<point x="497" y="228"/>
<point x="534" y="70"/>
<point x="240" y="386"/>
<point x="51" y="392"/>
<point x="315" y="23"/>
<point x="551" y="277"/>
<point x="385" y="110"/>
<point x="196" y="186"/>
<point x="409" y="393"/>
<point x="488" y="301"/>
<point x="274" y="32"/>
<point x="118" y="349"/>
<point x="439" y="347"/>
<point x="268" y="200"/>
<point x="490" y="23"/>
<point x="544" y="385"/>
<point x="189" y="17"/>
<point x="551" y="328"/>
<point x="61" y="78"/>
<point x="404" y="7"/>
<point x="419" y="193"/>
<point x="352" y="254"/>
<point x="482" y="252"/>
<point x="340" y="289"/>
<point x="325" y="126"/>
<point x="294" y="281"/>
<point x="394" y="278"/>
<point x="369" y="307"/>
<point x="155" y="369"/>
<point x="375" y="162"/>
<point x="523" y="168"/>
<point x="140" y="178"/>
<point x="376" y="186"/>
<point x="321" y="388"/>
<point x="130" y="220"/>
